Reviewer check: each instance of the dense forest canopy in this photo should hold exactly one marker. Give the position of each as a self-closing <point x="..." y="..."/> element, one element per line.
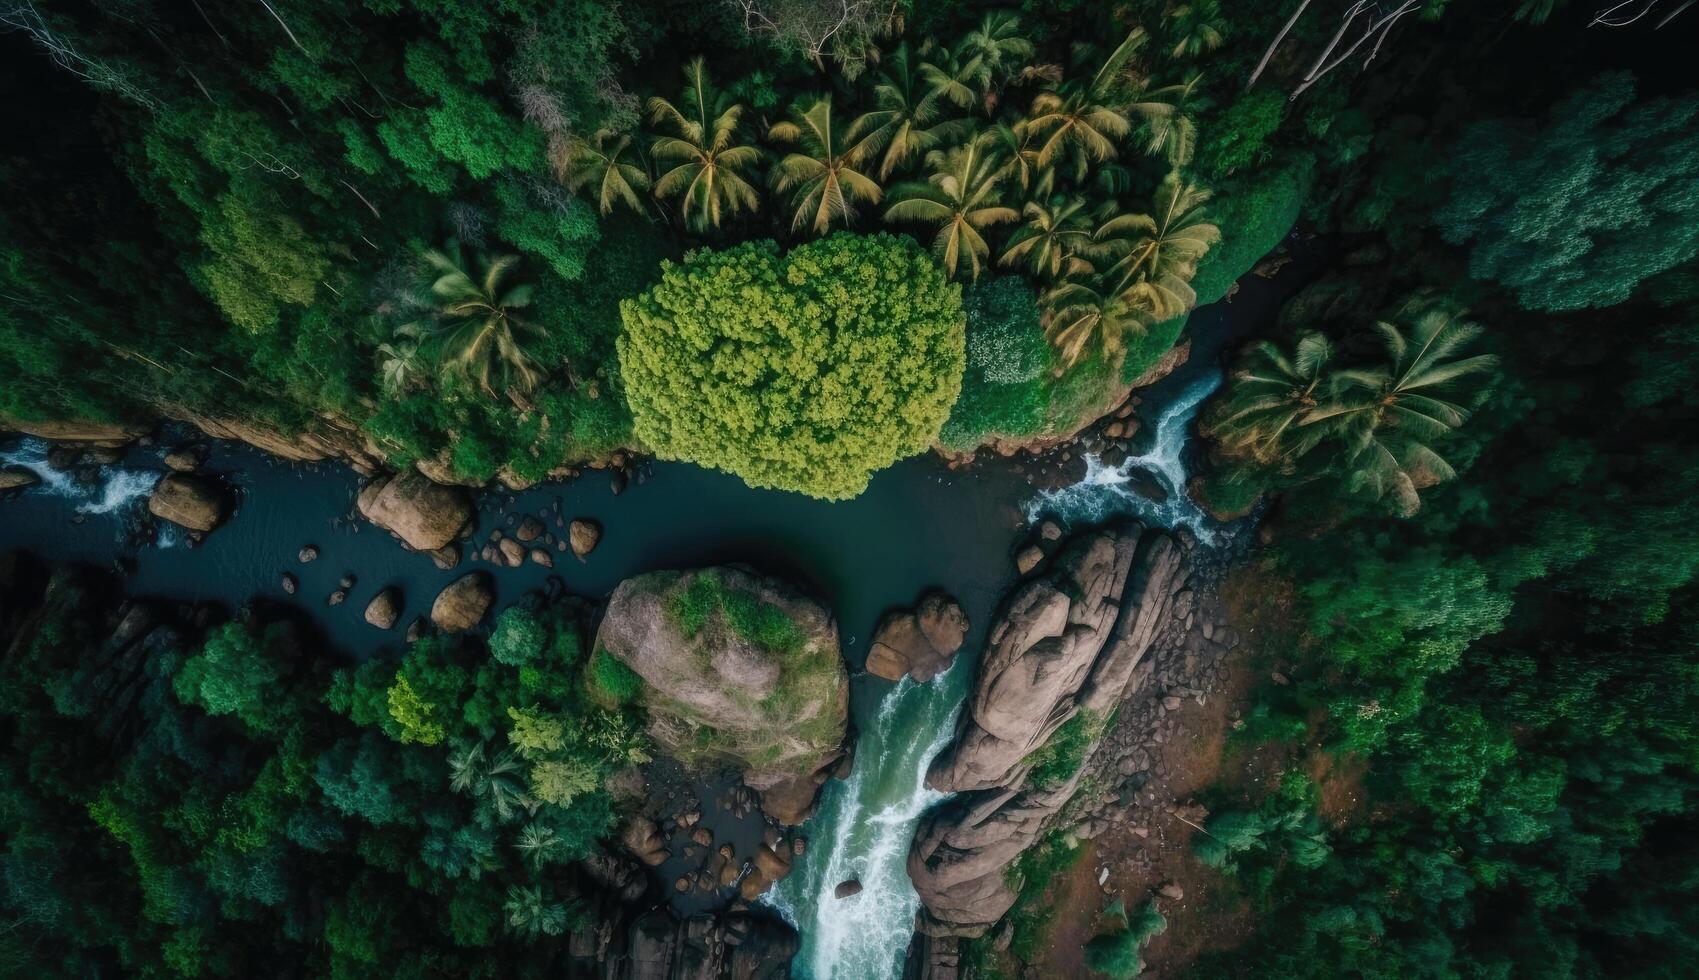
<point x="499" y="239"/>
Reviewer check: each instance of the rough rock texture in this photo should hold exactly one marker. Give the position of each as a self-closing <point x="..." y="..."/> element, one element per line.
<point x="13" y="477"/>
<point x="1069" y="640"/>
<point x="918" y="643"/>
<point x="733" y="945"/>
<point x="95" y="433"/>
<point x="426" y="515"/>
<point x="584" y="535"/>
<point x="384" y="609"/>
<point x="324" y="440"/>
<point x="463" y="603"/>
<point x="192" y="502"/>
<point x="184" y="460"/>
<point x="775" y="701"/>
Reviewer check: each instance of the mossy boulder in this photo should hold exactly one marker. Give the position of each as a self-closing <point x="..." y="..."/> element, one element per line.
<point x="736" y="667"/>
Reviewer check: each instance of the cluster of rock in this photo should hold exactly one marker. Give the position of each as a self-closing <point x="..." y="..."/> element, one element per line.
<point x="717" y="867"/>
<point x="1072" y="639"/>
<point x="918" y="643"/>
<point x="733" y="945"/>
<point x="528" y="537"/>
<point x="718" y="689"/>
<point x="424" y="515"/>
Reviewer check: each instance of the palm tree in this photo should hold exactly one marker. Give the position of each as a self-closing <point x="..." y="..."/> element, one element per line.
<point x="497" y="785"/>
<point x="540" y="844"/>
<point x="598" y="162"/>
<point x="909" y="117"/>
<point x="999" y="47"/>
<point x="709" y="168"/>
<point x="1197" y="26"/>
<point x="1083" y="120"/>
<point x="1155" y="255"/>
<point x="1017" y="145"/>
<point x="1271" y="399"/>
<point x="960" y="198"/>
<point x="1050" y="241"/>
<point x="476" y="326"/>
<point x="1092" y="307"/>
<point x="1169" y="116"/>
<point x="954" y="77"/>
<point x="826" y="177"/>
<point x="1388" y="416"/>
<point x="532" y="913"/>
<point x="401" y="361"/>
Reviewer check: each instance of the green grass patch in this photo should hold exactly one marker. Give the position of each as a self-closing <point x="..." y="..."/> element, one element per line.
<point x="1060" y="757"/>
<point x="612" y="683"/>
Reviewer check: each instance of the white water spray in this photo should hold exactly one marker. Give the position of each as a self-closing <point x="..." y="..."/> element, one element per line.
<point x="117" y="489"/>
<point x="863" y="831"/>
<point x="1109" y="490"/>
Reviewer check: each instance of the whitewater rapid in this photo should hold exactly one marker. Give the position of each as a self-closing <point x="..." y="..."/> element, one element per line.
<point x="117" y="488"/>
<point x="862" y="832"/>
<point x="1108" y="491"/>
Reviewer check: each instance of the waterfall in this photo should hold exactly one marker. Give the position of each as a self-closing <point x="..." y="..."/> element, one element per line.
<point x="118" y="487"/>
<point x="862" y="831"/>
<point x="1109" y="490"/>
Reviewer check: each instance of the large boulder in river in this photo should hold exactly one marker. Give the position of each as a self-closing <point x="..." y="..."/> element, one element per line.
<point x="192" y="502"/>
<point x="1070" y="641"/>
<point x="584" y="534"/>
<point x="736" y="667"/>
<point x="13" y="477"/>
<point x="385" y="608"/>
<point x="463" y="603"/>
<point x="424" y="514"/>
<point x="918" y="643"/>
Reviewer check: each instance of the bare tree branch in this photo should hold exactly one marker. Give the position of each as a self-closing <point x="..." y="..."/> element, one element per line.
<point x="1268" y="54"/>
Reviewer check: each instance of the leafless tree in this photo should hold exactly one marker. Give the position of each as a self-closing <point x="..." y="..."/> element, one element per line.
<point x="23" y="16"/>
<point x="1630" y="12"/>
<point x="1363" y="20"/>
<point x="842" y="30"/>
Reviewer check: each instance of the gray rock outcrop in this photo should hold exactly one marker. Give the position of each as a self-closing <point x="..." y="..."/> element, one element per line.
<point x="425" y="515"/>
<point x="1071" y="640"/>
<point x="736" y="667"/>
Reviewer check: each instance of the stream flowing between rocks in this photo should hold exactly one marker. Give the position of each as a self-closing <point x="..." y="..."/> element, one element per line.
<point x="918" y="525"/>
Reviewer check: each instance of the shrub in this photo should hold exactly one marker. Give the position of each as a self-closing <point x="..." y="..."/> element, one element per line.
<point x="807" y="371"/>
<point x="518" y="637"/>
<point x="1145" y="349"/>
<point x="1005" y="389"/>
<point x="1254" y="214"/>
<point x="1060" y="757"/>
<point x="612" y="682"/>
<point x="1117" y="953"/>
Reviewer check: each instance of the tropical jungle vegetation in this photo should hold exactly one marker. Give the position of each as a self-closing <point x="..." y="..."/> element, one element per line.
<point x="799" y="240"/>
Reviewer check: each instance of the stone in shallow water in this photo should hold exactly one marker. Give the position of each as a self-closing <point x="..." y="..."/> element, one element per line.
<point x="384" y="609"/>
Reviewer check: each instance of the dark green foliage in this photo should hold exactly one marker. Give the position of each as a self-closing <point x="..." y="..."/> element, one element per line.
<point x="1116" y="953"/>
<point x="1578" y="212"/>
<point x="611" y="681"/>
<point x="1255" y="212"/>
<point x="1005" y="387"/>
<point x="246" y="811"/>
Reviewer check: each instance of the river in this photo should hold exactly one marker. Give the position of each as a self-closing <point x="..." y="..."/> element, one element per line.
<point x="918" y="525"/>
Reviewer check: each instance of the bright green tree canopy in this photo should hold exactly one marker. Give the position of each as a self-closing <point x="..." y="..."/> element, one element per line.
<point x="806" y="371"/>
